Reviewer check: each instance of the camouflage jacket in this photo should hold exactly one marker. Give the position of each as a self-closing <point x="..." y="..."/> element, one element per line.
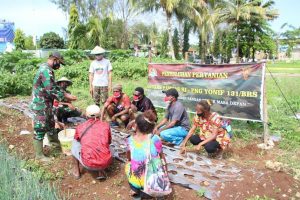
<point x="45" y="89"/>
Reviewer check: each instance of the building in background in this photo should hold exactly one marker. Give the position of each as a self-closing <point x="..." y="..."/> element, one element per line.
<point x="7" y="34"/>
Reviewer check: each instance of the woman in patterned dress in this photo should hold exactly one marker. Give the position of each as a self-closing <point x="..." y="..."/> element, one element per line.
<point x="211" y="135"/>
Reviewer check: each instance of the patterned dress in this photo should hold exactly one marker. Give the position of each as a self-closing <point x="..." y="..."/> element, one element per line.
<point x="207" y="127"/>
<point x="135" y="169"/>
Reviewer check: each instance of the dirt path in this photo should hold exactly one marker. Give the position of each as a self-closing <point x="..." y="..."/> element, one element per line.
<point x="277" y="185"/>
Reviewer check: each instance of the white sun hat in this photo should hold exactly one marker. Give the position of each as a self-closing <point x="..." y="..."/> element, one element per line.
<point x="93" y="111"/>
<point x="98" y="50"/>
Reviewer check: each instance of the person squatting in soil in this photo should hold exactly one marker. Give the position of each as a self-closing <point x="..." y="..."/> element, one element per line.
<point x="117" y="107"/>
<point x="45" y="90"/>
<point x="213" y="137"/>
<point x="139" y="104"/>
<point x="64" y="110"/>
<point x="175" y="125"/>
<point x="90" y="146"/>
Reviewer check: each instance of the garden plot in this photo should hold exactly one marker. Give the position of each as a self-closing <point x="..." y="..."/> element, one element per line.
<point x="212" y="178"/>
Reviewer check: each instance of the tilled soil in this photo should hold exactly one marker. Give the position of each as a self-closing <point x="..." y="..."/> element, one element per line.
<point x="277" y="185"/>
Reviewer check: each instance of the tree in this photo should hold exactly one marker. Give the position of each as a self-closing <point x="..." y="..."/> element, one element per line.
<point x="206" y="18"/>
<point x="291" y="38"/>
<point x="217" y="47"/>
<point x="125" y="10"/>
<point x="73" y="42"/>
<point x="94" y="31"/>
<point x="141" y="33"/>
<point x="19" y="39"/>
<point x="29" y="43"/>
<point x="186" y="33"/>
<point x="164" y="44"/>
<point x="175" y="42"/>
<point x="238" y="10"/>
<point x="85" y="8"/>
<point x="169" y="7"/>
<point x="51" y="40"/>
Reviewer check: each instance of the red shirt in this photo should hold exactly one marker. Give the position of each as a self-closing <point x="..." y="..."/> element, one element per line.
<point x="95" y="143"/>
<point x="121" y="104"/>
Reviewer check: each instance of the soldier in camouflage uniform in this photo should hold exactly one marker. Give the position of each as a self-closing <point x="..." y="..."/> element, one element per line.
<point x="45" y="90"/>
<point x="64" y="110"/>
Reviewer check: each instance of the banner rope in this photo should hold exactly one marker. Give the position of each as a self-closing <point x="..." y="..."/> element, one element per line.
<point x="283" y="95"/>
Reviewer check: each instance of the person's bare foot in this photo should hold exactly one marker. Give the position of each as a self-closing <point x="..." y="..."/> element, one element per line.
<point x="76" y="173"/>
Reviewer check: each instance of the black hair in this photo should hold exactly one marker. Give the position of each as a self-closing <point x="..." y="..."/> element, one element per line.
<point x="140" y="90"/>
<point x="146" y="121"/>
<point x="205" y="104"/>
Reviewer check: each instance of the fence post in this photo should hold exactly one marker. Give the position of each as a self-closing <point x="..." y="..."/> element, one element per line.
<point x="265" y="108"/>
<point x="186" y="56"/>
<point x="150" y="54"/>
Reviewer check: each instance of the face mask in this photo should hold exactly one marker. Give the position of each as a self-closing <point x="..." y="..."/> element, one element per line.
<point x="136" y="97"/>
<point x="117" y="94"/>
<point x="167" y="100"/>
<point x="56" y="65"/>
<point x="200" y="114"/>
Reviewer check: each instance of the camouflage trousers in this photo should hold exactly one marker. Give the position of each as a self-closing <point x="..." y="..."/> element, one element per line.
<point x="100" y="94"/>
<point x="43" y="122"/>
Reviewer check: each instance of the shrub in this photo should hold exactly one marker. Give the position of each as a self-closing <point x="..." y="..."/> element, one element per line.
<point x="9" y="60"/>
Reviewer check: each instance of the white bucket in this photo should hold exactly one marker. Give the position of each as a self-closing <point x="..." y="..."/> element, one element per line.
<point x="65" y="137"/>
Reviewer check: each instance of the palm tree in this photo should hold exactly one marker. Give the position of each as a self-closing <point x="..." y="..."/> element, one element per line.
<point x="94" y="31"/>
<point x="205" y="17"/>
<point x="238" y="10"/>
<point x="169" y="7"/>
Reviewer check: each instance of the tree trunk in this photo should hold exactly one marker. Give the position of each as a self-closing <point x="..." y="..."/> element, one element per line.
<point x="238" y="48"/>
<point x="170" y="44"/>
<point x="203" y="51"/>
<point x="253" y="50"/>
<point x="237" y="43"/>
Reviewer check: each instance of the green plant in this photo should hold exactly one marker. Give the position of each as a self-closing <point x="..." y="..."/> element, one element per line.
<point x="38" y="170"/>
<point x="200" y="192"/>
<point x="19" y="183"/>
<point x="19" y="39"/>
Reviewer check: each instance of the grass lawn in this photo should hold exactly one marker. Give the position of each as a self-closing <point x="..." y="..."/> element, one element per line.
<point x="284" y="67"/>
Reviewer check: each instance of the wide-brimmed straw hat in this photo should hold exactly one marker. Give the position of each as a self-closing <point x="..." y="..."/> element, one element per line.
<point x="98" y="50"/>
<point x="64" y="79"/>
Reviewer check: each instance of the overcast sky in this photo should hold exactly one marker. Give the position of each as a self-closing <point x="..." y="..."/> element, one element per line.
<point x="36" y="17"/>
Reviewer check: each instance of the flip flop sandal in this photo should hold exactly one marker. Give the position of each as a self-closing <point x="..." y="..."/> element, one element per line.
<point x="100" y="178"/>
<point x="76" y="177"/>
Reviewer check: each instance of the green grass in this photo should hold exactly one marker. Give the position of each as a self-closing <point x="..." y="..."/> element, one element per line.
<point x="280" y="116"/>
<point x="17" y="183"/>
<point x="291" y="67"/>
<point x="284" y="64"/>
